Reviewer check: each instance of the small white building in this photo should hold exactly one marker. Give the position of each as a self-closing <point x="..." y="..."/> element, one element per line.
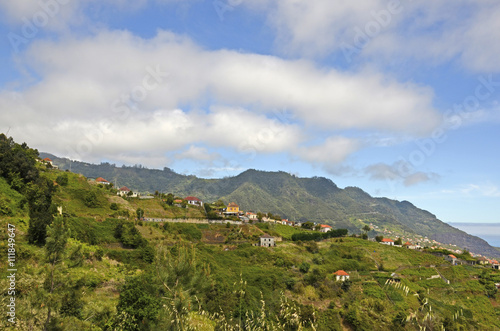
<point x="452" y="258"/>
<point x="267" y="241"/>
<point x="387" y="241"/>
<point x="194" y="201"/>
<point x="324" y="228"/>
<point x="341" y="275"/>
<point x="125" y="191"/>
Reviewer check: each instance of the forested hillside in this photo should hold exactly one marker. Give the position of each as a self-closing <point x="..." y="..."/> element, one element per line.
<point x="315" y="199"/>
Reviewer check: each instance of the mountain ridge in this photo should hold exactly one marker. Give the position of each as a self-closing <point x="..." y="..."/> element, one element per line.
<point x="302" y="199"/>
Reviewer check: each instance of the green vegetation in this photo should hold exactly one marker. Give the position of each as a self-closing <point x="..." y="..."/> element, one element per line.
<point x="99" y="268"/>
<point x="314" y="199"/>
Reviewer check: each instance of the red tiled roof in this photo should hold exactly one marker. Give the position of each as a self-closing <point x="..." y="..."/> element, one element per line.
<point x="100" y="179"/>
<point x="452" y="256"/>
<point x="192" y="199"/>
<point x="232" y="204"/>
<point x="387" y="240"/>
<point x="47" y="159"/>
<point x="341" y="273"/>
<point x="125" y="189"/>
<point x="407" y="243"/>
<point x="325" y="226"/>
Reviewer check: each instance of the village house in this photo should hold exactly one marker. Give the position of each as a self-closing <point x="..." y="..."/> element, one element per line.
<point x="232" y="209"/>
<point x="387" y="241"/>
<point x="324" y="228"/>
<point x="194" y="201"/>
<point x="125" y="191"/>
<point x="452" y="258"/>
<point x="341" y="275"/>
<point x="251" y="216"/>
<point x="267" y="241"/>
<point x="178" y="202"/>
<point x="49" y="162"/>
<point x="482" y="260"/>
<point x="102" y="181"/>
<point x="287" y="222"/>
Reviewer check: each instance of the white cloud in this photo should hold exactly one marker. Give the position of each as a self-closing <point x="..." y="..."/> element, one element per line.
<point x="484" y="189"/>
<point x="399" y="172"/>
<point x="124" y="92"/>
<point x="198" y="154"/>
<point x="330" y="153"/>
<point x="437" y="31"/>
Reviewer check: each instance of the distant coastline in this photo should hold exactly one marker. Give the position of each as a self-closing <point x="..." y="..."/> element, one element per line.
<point x="487" y="231"/>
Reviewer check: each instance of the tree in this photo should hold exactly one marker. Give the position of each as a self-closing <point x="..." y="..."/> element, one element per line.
<point x="379" y="238"/>
<point x="140" y="213"/>
<point x="62" y="180"/>
<point x="183" y="278"/>
<point x="366" y="228"/>
<point x="57" y="236"/>
<point x="170" y="199"/>
<point x="39" y="196"/>
<point x="91" y="200"/>
<point x="308" y="225"/>
<point x="139" y="303"/>
<point x="398" y="242"/>
<point x="113" y="206"/>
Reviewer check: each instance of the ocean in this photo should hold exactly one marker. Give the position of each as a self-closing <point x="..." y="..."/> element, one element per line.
<point x="487" y="231"/>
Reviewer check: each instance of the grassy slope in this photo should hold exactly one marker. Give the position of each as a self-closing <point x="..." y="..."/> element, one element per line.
<point x="370" y="301"/>
<point x="11" y="200"/>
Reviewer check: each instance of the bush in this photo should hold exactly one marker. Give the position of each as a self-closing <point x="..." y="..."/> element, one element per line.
<point x="62" y="180"/>
<point x="304" y="267"/>
<point x="113" y="206"/>
<point x="91" y="200"/>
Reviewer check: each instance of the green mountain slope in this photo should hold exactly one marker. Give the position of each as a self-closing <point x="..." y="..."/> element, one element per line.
<point x="315" y="199"/>
<point x="107" y="276"/>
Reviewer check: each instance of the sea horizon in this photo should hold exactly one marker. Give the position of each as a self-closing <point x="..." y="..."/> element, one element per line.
<point x="490" y="232"/>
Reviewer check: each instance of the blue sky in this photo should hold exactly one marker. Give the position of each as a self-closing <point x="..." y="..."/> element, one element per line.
<point x="400" y="98"/>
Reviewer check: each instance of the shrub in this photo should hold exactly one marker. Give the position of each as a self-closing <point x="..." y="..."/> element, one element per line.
<point x="304" y="267"/>
<point x="62" y="180"/>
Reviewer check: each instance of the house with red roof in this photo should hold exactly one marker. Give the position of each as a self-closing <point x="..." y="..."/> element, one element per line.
<point x="48" y="161"/>
<point x="102" y="181"/>
<point x="123" y="191"/>
<point x="452" y="258"/>
<point x="324" y="228"/>
<point x="232" y="209"/>
<point x="387" y="241"/>
<point x="194" y="201"/>
<point x="341" y="275"/>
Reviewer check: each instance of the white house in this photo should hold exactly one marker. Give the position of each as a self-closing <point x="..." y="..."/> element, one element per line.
<point x="267" y="241"/>
<point x="387" y="241"/>
<point x="324" y="228"/>
<point x="125" y="191"/>
<point x="102" y="181"/>
<point x="194" y="201"/>
<point x="452" y="258"/>
<point x="341" y="275"/>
